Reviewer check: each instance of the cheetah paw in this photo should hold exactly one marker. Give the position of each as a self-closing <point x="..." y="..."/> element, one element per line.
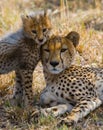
<point x="66" y="122"/>
<point x="34" y="114"/>
<point x="13" y="102"/>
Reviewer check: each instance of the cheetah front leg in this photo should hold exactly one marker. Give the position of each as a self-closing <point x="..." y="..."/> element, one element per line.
<point x="58" y="110"/>
<point x="84" y="107"/>
<point x="27" y="76"/>
<point x="18" y="90"/>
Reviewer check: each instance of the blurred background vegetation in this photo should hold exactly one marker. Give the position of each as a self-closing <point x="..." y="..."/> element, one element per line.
<point x="10" y="10"/>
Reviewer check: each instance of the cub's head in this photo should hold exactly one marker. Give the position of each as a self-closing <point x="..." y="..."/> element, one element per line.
<point x="58" y="52"/>
<point x="37" y="26"/>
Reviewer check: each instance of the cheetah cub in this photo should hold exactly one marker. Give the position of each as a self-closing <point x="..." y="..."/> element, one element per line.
<point x="20" y="52"/>
<point x="70" y="88"/>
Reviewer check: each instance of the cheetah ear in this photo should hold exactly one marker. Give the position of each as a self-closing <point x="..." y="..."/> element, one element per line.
<point x="45" y="13"/>
<point x="74" y="37"/>
<point x="25" y="18"/>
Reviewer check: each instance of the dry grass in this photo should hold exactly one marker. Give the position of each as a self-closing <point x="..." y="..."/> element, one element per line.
<point x="90" y="52"/>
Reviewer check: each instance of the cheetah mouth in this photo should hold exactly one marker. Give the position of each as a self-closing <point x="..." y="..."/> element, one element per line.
<point x="55" y="71"/>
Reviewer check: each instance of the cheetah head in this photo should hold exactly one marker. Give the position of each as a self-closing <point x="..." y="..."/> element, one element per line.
<point x="37" y="26"/>
<point x="58" y="52"/>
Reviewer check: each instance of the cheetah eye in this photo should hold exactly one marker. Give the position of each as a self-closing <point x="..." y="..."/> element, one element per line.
<point x="34" y="31"/>
<point x="47" y="50"/>
<point x="64" y="49"/>
<point x="44" y="30"/>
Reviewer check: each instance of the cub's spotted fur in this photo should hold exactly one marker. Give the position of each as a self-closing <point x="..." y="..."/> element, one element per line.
<point x="20" y="52"/>
<point x="74" y="89"/>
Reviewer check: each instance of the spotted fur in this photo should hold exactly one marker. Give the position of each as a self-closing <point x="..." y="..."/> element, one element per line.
<point x="20" y="52"/>
<point x="69" y="88"/>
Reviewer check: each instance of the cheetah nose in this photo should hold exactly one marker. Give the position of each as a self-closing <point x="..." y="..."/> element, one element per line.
<point x="54" y="63"/>
<point x="40" y="40"/>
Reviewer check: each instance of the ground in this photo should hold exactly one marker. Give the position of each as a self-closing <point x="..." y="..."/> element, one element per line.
<point x="90" y="52"/>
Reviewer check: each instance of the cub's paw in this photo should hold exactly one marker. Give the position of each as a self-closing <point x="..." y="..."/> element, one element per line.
<point x="13" y="102"/>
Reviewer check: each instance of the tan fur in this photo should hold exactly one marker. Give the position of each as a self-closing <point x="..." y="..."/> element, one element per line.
<point x="77" y="89"/>
<point x="20" y="52"/>
<point x="36" y="27"/>
<point x="58" y="49"/>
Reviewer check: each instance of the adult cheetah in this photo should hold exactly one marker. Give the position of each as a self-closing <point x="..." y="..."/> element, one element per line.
<point x="20" y="51"/>
<point x="69" y="88"/>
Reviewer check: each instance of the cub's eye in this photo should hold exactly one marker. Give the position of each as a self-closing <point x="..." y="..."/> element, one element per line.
<point x="34" y="31"/>
<point x="44" y="30"/>
<point x="63" y="50"/>
<point x="47" y="50"/>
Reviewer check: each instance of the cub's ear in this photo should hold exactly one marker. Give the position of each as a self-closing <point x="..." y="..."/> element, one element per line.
<point x="25" y="18"/>
<point x="74" y="37"/>
<point x="45" y="13"/>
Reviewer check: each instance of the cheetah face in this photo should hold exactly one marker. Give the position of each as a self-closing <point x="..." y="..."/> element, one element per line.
<point x="37" y="27"/>
<point x="58" y="52"/>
